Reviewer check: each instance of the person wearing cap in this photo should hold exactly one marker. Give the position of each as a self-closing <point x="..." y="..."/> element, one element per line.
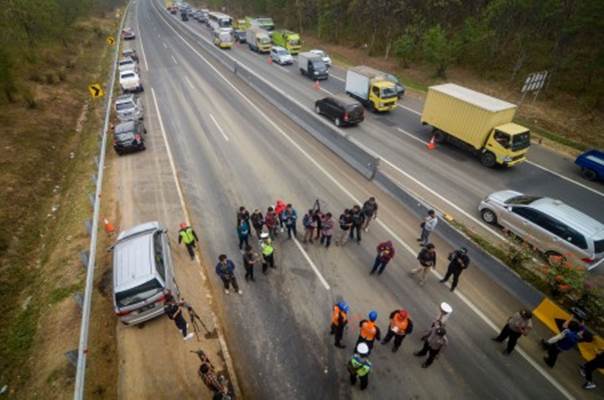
<point x="187" y="235"/>
<point x="268" y="257"/>
<point x="458" y="261"/>
<point x="428" y="226"/>
<point x="257" y="221"/>
<point x="339" y="319"/>
<point x="519" y="324"/>
<point x="359" y="366"/>
<point x="369" y="331"/>
<point x="385" y="253"/>
<point x="250" y="258"/>
<point x="435" y="342"/>
<point x="427" y="259"/>
<point x="400" y="326"/>
<point x="225" y="269"/>
<point x="586" y="370"/>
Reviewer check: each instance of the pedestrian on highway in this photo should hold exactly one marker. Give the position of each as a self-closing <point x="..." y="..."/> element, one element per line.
<point x="435" y="342"/>
<point x="400" y="326"/>
<point x="271" y="220"/>
<point x="242" y="215"/>
<point x="427" y="260"/>
<point x="444" y="312"/>
<point x="208" y="377"/>
<point x="359" y="366"/>
<point x="327" y="224"/>
<point x="385" y="253"/>
<point x="458" y="261"/>
<point x="187" y="235"/>
<point x="250" y="258"/>
<point x="564" y="341"/>
<point x="318" y="216"/>
<point x="225" y="269"/>
<point x="257" y="221"/>
<point x="268" y="251"/>
<point x="243" y="232"/>
<point x="173" y="310"/>
<point x="280" y="206"/>
<point x="339" y="320"/>
<point x="358" y="219"/>
<point x="589" y="367"/>
<point x="289" y="217"/>
<point x="369" y="331"/>
<point x="309" y="223"/>
<point x="427" y="226"/>
<point x="519" y="324"/>
<point x="345" y="223"/>
<point x="370" y="209"/>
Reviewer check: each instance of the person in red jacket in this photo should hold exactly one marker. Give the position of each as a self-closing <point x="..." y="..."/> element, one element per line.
<point x="385" y="252"/>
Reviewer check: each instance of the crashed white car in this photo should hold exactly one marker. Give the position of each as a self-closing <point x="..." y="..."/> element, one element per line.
<point x="130" y="82"/>
<point x="129" y="107"/>
<point x="326" y="59"/>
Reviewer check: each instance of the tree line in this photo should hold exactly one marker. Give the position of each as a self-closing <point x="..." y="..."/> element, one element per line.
<point x="502" y="39"/>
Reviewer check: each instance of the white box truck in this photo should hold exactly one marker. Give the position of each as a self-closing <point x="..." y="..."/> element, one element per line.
<point x="371" y="88"/>
<point x="313" y="66"/>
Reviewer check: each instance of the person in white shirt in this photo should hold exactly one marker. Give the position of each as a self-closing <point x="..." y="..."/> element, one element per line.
<point x="427" y="226"/>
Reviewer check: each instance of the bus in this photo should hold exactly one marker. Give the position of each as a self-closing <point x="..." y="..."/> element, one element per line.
<point x="220" y="21"/>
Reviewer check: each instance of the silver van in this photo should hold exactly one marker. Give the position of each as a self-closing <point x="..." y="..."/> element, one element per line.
<point x="553" y="227"/>
<point x="142" y="273"/>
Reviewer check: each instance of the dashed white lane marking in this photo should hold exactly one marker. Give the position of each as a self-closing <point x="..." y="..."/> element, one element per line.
<point x="219" y="128"/>
<point x="189" y="82"/>
<point x="165" y="45"/>
<point x="174" y="59"/>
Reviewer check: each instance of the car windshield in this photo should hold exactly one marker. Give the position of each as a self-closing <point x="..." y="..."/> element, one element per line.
<point x="124" y="106"/>
<point x="128" y="75"/>
<point x="126" y="62"/>
<point x="318" y="65"/>
<point x="522" y="200"/>
<point x="281" y="52"/>
<point x="388" y="92"/>
<point x="320" y="53"/>
<point x="265" y="40"/>
<point x="138" y="293"/>
<point x="521" y="141"/>
<point x="294" y="42"/>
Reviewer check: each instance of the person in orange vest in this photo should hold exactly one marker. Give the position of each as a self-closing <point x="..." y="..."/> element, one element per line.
<point x="339" y="319"/>
<point x="400" y="326"/>
<point x="369" y="330"/>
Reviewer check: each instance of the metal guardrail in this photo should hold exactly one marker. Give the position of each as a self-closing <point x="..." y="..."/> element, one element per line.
<point x="78" y="393"/>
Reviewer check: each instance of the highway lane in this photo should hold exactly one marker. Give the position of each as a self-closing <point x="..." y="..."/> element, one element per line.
<point x="400" y="138"/>
<point x="278" y="328"/>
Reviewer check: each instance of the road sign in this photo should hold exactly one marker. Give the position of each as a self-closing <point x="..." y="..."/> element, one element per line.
<point x="534" y="81"/>
<point x="110" y="40"/>
<point x="96" y="90"/>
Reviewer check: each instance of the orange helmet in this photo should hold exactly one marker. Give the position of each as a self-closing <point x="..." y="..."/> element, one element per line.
<point x="403" y="314"/>
<point x="183" y="225"/>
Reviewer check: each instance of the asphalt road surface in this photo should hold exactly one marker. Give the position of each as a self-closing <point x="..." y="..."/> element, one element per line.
<point x="231" y="148"/>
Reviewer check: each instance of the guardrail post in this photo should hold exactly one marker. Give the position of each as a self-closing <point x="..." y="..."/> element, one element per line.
<point x="84" y="256"/>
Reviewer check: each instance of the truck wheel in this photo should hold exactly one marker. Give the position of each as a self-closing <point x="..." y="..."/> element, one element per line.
<point x="439" y="136"/>
<point x="488" y="216"/>
<point x="488" y="159"/>
<point x="589" y="174"/>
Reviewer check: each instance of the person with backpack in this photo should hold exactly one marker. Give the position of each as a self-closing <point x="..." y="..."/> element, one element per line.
<point x="339" y="320"/>
<point x="358" y="219"/>
<point x="243" y="232"/>
<point x="326" y="229"/>
<point x="400" y="326"/>
<point x="345" y="223"/>
<point x="370" y="208"/>
<point x="359" y="366"/>
<point x="289" y="216"/>
<point x="564" y="341"/>
<point x="257" y="221"/>
<point x="427" y="260"/>
<point x="458" y="261"/>
<point x="385" y="253"/>
<point x="310" y="224"/>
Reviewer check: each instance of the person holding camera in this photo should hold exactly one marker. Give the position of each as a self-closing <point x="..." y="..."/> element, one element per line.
<point x="458" y="261"/>
<point x="173" y="310"/>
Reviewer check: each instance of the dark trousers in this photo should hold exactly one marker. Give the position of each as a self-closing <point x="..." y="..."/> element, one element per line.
<point x="338" y="331"/>
<point x="242" y="240"/>
<point x="590" y="366"/>
<point x="364" y="380"/>
<point x="507" y="332"/>
<point x="552" y="354"/>
<point x="357" y="229"/>
<point x="455" y="272"/>
<point x="290" y="229"/>
<point x="249" y="271"/>
<point x="191" y="249"/>
<point x="181" y="324"/>
<point x="430" y="351"/>
<point x="379" y="263"/>
<point x="230" y="281"/>
<point x="267" y="261"/>
<point x="398" y="339"/>
<point x="326" y="240"/>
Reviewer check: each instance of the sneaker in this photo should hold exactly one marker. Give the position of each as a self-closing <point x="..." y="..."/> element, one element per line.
<point x="188" y="337"/>
<point x="240" y="291"/>
<point x="589" y="386"/>
<point x="226" y="291"/>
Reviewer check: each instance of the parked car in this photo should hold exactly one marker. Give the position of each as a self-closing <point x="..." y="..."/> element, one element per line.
<point x="130" y="82"/>
<point x="127" y="64"/>
<point x="129" y="107"/>
<point x="281" y="56"/>
<point x="341" y="109"/>
<point x="240" y="36"/>
<point x="131" y="53"/>
<point x="592" y="165"/>
<point x="553" y="227"/>
<point x="326" y="59"/>
<point x="128" y="34"/>
<point x="128" y="137"/>
<point x="143" y="273"/>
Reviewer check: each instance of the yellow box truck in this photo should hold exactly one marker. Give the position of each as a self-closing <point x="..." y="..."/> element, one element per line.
<point x="289" y="40"/>
<point x="371" y="88"/>
<point x="477" y="122"/>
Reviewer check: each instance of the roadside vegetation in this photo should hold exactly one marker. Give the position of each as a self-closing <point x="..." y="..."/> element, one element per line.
<point x="49" y="52"/>
<point x="490" y="46"/>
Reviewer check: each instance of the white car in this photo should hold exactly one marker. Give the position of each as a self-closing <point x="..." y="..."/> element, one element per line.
<point x="130" y="82"/>
<point x="127" y="63"/>
<point x="281" y="56"/>
<point x="129" y="107"/>
<point x="326" y="59"/>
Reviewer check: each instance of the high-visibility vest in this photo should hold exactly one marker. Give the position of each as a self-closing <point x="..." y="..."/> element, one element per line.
<point x="187" y="235"/>
<point x="267" y="249"/>
<point x="399" y="325"/>
<point x="360" y="365"/>
<point x="368" y="330"/>
<point x="335" y="316"/>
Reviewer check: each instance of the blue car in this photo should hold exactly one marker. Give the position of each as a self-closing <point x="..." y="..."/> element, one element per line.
<point x="592" y="165"/>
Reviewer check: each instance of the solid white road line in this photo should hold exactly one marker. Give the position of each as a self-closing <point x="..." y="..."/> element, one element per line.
<point x="312" y="265"/>
<point x="219" y="127"/>
<point x="408" y="108"/>
<point x="174" y="59"/>
<point x="261" y="113"/>
<point x="140" y="40"/>
<point x="326" y="91"/>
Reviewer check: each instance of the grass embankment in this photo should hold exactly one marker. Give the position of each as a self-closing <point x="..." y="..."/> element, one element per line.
<point x="49" y="140"/>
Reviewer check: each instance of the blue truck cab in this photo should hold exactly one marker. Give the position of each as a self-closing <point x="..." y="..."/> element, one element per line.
<point x="592" y="165"/>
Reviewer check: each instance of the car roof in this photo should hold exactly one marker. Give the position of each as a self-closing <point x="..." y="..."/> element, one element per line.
<point x="134" y="255"/>
<point x="345" y="100"/>
<point x="126" y="59"/>
<point x="569" y="215"/>
<point x="125" y="98"/>
<point x="278" y="48"/>
<point x="125" y="126"/>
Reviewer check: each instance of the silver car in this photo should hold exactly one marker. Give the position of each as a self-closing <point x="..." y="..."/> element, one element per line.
<point x="142" y="273"/>
<point x="553" y="227"/>
<point x="129" y="107"/>
<point x="127" y="64"/>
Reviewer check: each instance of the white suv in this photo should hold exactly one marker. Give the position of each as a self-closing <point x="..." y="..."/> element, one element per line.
<point x="130" y="82"/>
<point x="281" y="56"/>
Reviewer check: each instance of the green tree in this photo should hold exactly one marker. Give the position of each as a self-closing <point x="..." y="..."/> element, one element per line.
<point x="404" y="47"/>
<point x="437" y="50"/>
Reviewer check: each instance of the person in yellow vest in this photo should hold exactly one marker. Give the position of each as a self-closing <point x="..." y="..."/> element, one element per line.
<point x="359" y="366"/>
<point x="187" y="235"/>
<point x="339" y="319"/>
<point x="369" y="331"/>
<point x="268" y="256"/>
<point x="400" y="326"/>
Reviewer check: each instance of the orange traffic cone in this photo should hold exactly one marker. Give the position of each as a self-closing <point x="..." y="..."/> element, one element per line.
<point x="109" y="228"/>
<point x="316" y="86"/>
<point x="269" y="61"/>
<point x="432" y="144"/>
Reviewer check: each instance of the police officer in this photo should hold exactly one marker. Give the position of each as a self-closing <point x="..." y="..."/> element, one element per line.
<point x="187" y="235"/>
<point x="369" y="331"/>
<point x="458" y="261"/>
<point x="518" y="325"/>
<point x="266" y="245"/>
<point x="400" y="326"/>
<point x="435" y="341"/>
<point x="339" y="319"/>
<point x="359" y="366"/>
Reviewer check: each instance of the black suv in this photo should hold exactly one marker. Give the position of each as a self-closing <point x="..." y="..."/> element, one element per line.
<point x="128" y="137"/>
<point x="341" y="109"/>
